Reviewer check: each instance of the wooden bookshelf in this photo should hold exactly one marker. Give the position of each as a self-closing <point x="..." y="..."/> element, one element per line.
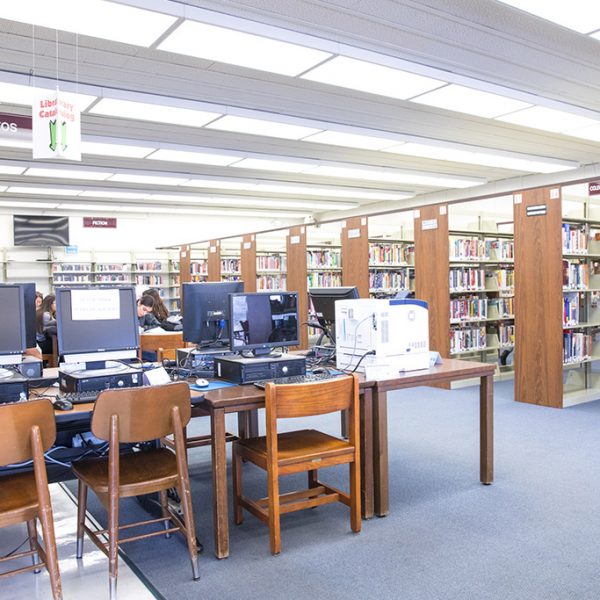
<point x="214" y="260"/>
<point x="355" y="248"/>
<point x="538" y="298"/>
<point x="297" y="275"/>
<point x="431" y="272"/>
<point x="248" y="262"/>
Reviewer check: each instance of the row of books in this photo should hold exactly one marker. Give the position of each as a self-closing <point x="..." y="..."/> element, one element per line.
<point x="324" y="279"/>
<point x="466" y="279"/>
<point x="112" y="267"/>
<point x="153" y="265"/>
<point x="506" y="335"/>
<point x="505" y="307"/>
<point x="469" y="308"/>
<point x="199" y="267"/>
<point x="71" y="267"/>
<point x="577" y="346"/>
<point x="323" y="258"/>
<point x="271" y="262"/>
<point x="571" y="309"/>
<point x="113" y="278"/>
<point x="270" y="282"/>
<point x="574" y="239"/>
<point x="466" y="339"/>
<point x="391" y="253"/>
<point x="59" y="278"/>
<point x="230" y="265"/>
<point x="575" y="275"/>
<point x="399" y="280"/>
<point x="504" y="278"/>
<point x="478" y="249"/>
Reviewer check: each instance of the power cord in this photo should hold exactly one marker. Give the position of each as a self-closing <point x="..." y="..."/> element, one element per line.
<point x="371" y="316"/>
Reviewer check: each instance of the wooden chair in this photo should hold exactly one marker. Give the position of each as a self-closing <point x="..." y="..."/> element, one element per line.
<point x="51" y="360"/>
<point x="130" y="416"/>
<point x="164" y="344"/>
<point x="299" y="451"/>
<point x="29" y="430"/>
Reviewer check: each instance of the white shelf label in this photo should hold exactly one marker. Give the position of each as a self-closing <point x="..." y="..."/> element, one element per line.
<point x="554" y="194"/>
<point x="353" y="233"/>
<point x="213" y="249"/>
<point x="417" y="214"/>
<point x="295" y="239"/>
<point x="247" y="245"/>
<point x="518" y="199"/>
<point x="429" y="224"/>
<point x="443" y="209"/>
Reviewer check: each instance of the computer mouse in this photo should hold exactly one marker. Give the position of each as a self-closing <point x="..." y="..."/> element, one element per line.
<point x="319" y="370"/>
<point x="202" y="383"/>
<point x="62" y="404"/>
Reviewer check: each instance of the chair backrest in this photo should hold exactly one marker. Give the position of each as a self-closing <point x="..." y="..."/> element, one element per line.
<point x="17" y="422"/>
<point x="145" y="413"/>
<point x="307" y="399"/>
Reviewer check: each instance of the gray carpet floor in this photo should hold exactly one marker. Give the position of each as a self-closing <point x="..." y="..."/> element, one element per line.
<point x="533" y="534"/>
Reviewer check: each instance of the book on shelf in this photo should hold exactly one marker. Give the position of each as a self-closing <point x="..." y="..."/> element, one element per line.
<point x="575" y="275"/>
<point x="577" y="346"/>
<point x="574" y="238"/>
<point x="467" y="279"/>
<point x="466" y="339"/>
<point x="468" y="308"/>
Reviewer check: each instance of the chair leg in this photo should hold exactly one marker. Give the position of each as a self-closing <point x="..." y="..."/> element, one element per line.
<point x="82" y="494"/>
<point x="113" y="544"/>
<point x="33" y="541"/>
<point x="274" y="513"/>
<point x="313" y="478"/>
<point x="355" y="518"/>
<point x="47" y="523"/>
<point x="236" y="468"/>
<point x="162" y="495"/>
<point x="190" y="527"/>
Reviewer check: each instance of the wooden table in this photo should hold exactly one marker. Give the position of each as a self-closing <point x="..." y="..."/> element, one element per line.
<point x="165" y="344"/>
<point x="374" y="441"/>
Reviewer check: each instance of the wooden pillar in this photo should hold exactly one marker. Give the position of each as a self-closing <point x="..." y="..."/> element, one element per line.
<point x="214" y="260"/>
<point x="538" y="297"/>
<point x="432" y="272"/>
<point x="296" y="276"/>
<point x="248" y="262"/>
<point x="185" y="272"/>
<point x="355" y="255"/>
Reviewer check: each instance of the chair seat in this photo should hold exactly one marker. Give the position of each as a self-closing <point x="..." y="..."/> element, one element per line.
<point x="18" y="498"/>
<point x="149" y="470"/>
<point x="298" y="446"/>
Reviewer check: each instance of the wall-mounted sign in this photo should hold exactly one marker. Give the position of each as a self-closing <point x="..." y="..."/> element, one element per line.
<point x="429" y="224"/>
<point x="71" y="249"/>
<point x="103" y="222"/>
<point x="594" y="188"/>
<point x="56" y="125"/>
<point x="536" y="210"/>
<point x="15" y="127"/>
<point x="353" y="233"/>
<point x="295" y="239"/>
<point x="247" y="245"/>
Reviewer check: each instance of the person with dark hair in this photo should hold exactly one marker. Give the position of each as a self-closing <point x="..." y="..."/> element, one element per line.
<point x="45" y="323"/>
<point x="38" y="299"/>
<point x="159" y="310"/>
<point x="144" y="312"/>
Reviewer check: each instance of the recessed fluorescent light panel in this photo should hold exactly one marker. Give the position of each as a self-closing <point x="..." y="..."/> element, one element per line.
<point x="118" y="150"/>
<point x="581" y="15"/>
<point x="199" y="158"/>
<point x="261" y="127"/>
<point x="96" y="18"/>
<point x="10" y="143"/>
<point x="10" y="170"/>
<point x="243" y="49"/>
<point x="533" y="165"/>
<point x="351" y="140"/>
<point x="114" y="195"/>
<point x="473" y="102"/>
<point x="368" y="77"/>
<point x="158" y="113"/>
<point x="148" y="179"/>
<point x="43" y="191"/>
<point x="547" y="119"/>
<point x="14" y="93"/>
<point x="17" y="204"/>
<point x="272" y="165"/>
<point x="68" y="174"/>
<point x="219" y="184"/>
<point x="587" y="133"/>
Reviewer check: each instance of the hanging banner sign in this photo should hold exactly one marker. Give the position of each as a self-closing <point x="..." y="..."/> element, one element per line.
<point x="594" y="188"/>
<point x="104" y="222"/>
<point x="15" y="127"/>
<point x="56" y="125"/>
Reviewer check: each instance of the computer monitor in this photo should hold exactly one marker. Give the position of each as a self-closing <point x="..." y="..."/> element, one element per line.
<point x="13" y="339"/>
<point x="96" y="325"/>
<point x="30" y="326"/>
<point x="323" y="301"/>
<point x="206" y="312"/>
<point x="262" y="321"/>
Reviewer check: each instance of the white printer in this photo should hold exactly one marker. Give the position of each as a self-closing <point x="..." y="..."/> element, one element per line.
<point x="384" y="337"/>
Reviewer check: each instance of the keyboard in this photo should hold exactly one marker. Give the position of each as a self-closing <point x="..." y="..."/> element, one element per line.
<point x="80" y="397"/>
<point x="308" y="378"/>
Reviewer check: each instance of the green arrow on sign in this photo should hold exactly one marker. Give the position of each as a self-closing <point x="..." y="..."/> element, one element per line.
<point x="63" y="136"/>
<point x="52" y="144"/>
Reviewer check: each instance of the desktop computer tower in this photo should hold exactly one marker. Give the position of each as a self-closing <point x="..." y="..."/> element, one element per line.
<point x="13" y="389"/>
<point x="82" y="382"/>
<point x="246" y="370"/>
<point x="200" y="360"/>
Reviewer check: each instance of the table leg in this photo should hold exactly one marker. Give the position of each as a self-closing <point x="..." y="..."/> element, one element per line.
<point x="219" y="471"/>
<point x="380" y="454"/>
<point x="486" y="429"/>
<point x="252" y="423"/>
<point x="366" y="453"/>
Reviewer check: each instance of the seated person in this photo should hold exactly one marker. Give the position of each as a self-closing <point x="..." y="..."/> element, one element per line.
<point x="159" y="310"/>
<point x="45" y="321"/>
<point x="144" y="312"/>
<point x="38" y="299"/>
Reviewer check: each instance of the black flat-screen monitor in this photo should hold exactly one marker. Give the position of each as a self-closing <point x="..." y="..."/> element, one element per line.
<point x="206" y="312"/>
<point x="29" y="308"/>
<point x="324" y="299"/>
<point x="96" y="325"/>
<point x="262" y="321"/>
<point x="38" y="230"/>
<point x="13" y="339"/>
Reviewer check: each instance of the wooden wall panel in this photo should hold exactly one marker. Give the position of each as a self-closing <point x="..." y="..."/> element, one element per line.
<point x="432" y="272"/>
<point x="538" y="298"/>
<point x="248" y="262"/>
<point x="355" y="255"/>
<point x="296" y="277"/>
<point x="214" y="260"/>
<point x="185" y="271"/>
